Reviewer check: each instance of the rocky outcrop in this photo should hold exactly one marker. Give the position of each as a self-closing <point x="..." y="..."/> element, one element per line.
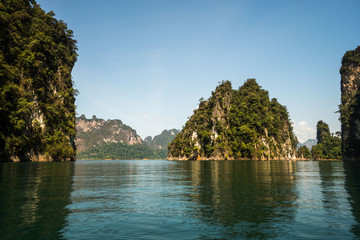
<point x="350" y="105"/>
<point x="235" y="125"/>
<point x="94" y="132"/>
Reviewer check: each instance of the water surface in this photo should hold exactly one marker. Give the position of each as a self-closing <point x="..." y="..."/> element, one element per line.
<point x="180" y="200"/>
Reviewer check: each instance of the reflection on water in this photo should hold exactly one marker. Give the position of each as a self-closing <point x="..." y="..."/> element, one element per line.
<point x="180" y="200"/>
<point x="33" y="199"/>
<point x="352" y="186"/>
<point x="246" y="197"/>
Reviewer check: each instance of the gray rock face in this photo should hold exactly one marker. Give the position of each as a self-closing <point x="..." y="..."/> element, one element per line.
<point x="94" y="132"/>
<point x="350" y="104"/>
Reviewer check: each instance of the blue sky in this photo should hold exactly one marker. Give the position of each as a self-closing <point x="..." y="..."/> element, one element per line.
<point x="149" y="62"/>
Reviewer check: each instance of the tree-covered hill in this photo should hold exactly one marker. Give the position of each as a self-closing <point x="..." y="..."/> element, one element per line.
<point x="303" y="153"/>
<point x="328" y="145"/>
<point x="37" y="98"/>
<point x="236" y="124"/>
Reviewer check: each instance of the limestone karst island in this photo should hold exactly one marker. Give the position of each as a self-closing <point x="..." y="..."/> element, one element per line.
<point x="236" y="124"/>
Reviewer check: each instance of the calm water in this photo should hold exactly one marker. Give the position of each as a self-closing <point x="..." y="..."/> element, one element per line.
<point x="180" y="200"/>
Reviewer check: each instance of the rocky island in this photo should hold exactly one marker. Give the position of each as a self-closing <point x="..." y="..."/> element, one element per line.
<point x="37" y="97"/>
<point x="350" y="104"/>
<point x="235" y="125"/>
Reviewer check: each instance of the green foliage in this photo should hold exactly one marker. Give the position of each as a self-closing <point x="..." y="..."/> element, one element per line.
<point x="37" y="98"/>
<point x="350" y="104"/>
<point x="234" y="123"/>
<point x="123" y="152"/>
<point x="303" y="153"/>
<point x="350" y="59"/>
<point x="322" y="131"/>
<point x="328" y="147"/>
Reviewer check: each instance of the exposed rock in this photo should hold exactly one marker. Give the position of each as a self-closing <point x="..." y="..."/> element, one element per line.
<point x="236" y="124"/>
<point x="350" y="105"/>
<point x="94" y="132"/>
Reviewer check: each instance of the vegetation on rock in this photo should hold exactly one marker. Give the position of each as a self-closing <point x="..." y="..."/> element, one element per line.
<point x="37" y="98"/>
<point x="95" y="132"/>
<point x="328" y="146"/>
<point x="350" y="104"/>
<point x="236" y="124"/>
<point x="303" y="153"/>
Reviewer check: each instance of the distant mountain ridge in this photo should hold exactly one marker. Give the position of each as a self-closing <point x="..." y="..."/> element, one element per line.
<point x="309" y="143"/>
<point x="96" y="131"/>
<point x="162" y="140"/>
<point x="112" y="139"/>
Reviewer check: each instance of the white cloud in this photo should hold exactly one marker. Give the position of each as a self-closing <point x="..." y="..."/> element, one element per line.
<point x="303" y="131"/>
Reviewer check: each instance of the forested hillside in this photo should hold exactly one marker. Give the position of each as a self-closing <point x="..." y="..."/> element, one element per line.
<point x="236" y="124"/>
<point x="37" y="97"/>
<point x="328" y="146"/>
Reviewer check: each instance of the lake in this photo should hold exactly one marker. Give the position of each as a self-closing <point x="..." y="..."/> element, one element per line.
<point x="146" y="199"/>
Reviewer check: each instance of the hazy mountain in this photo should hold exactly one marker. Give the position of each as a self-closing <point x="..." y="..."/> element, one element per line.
<point x="309" y="143"/>
<point x="162" y="140"/>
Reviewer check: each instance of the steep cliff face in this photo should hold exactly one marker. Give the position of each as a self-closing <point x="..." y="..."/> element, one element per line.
<point x="350" y="104"/>
<point x="236" y="124"/>
<point x="37" y="98"/>
<point x="94" y="132"/>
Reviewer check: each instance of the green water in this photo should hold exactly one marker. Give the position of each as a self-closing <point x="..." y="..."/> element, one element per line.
<point x="180" y="200"/>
